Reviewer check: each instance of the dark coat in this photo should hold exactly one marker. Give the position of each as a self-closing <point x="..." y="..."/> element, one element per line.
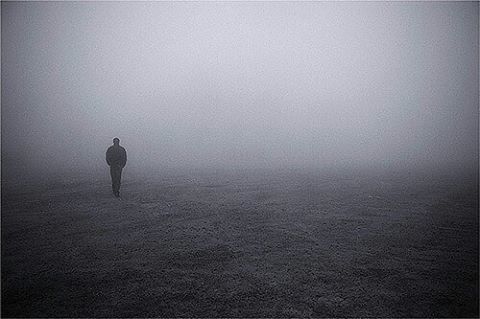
<point x="116" y="156"/>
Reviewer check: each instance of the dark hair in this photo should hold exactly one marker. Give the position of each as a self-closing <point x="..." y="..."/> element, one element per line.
<point x="116" y="139"/>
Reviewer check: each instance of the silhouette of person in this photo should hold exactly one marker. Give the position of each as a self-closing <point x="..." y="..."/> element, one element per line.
<point x="116" y="159"/>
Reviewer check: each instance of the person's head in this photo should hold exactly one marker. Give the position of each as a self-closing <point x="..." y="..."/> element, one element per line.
<point x="116" y="141"/>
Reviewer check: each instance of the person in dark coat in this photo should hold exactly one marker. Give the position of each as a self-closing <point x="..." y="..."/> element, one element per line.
<point x="116" y="159"/>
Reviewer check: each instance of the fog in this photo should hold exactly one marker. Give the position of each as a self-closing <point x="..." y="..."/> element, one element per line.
<point x="238" y="85"/>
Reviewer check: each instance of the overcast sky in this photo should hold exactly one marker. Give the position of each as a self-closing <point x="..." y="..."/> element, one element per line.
<point x="238" y="84"/>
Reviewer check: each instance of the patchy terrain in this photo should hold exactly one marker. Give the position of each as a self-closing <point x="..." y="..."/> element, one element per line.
<point x="262" y="244"/>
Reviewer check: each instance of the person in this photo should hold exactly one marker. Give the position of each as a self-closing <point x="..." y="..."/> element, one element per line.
<point x="116" y="159"/>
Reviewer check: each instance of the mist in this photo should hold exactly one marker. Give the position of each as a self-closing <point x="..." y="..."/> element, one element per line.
<point x="238" y="85"/>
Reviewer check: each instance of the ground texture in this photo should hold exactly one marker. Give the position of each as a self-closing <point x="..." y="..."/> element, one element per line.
<point x="262" y="244"/>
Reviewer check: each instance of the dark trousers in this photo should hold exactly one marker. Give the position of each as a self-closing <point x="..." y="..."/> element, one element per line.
<point x="116" y="173"/>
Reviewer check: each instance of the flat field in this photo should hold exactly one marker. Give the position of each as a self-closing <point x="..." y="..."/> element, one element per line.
<point x="257" y="244"/>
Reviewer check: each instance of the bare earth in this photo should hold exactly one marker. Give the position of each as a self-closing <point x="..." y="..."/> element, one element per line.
<point x="262" y="244"/>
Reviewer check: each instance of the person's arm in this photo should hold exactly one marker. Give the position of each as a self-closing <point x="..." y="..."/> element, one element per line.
<point x="124" y="159"/>
<point x="107" y="158"/>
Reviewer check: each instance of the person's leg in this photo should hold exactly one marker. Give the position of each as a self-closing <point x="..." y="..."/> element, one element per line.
<point x="115" y="172"/>
<point x="118" y="176"/>
<point x="119" y="180"/>
<point x="112" y="175"/>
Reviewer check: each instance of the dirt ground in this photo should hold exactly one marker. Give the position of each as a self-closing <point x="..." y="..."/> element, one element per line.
<point x="263" y="244"/>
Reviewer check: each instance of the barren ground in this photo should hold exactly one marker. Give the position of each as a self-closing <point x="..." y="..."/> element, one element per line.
<point x="262" y="244"/>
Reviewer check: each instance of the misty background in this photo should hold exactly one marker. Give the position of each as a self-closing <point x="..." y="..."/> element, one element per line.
<point x="238" y="85"/>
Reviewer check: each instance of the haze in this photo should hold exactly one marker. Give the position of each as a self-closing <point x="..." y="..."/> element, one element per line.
<point x="238" y="85"/>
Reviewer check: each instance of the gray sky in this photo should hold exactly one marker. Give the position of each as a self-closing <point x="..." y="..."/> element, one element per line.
<point x="238" y="84"/>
